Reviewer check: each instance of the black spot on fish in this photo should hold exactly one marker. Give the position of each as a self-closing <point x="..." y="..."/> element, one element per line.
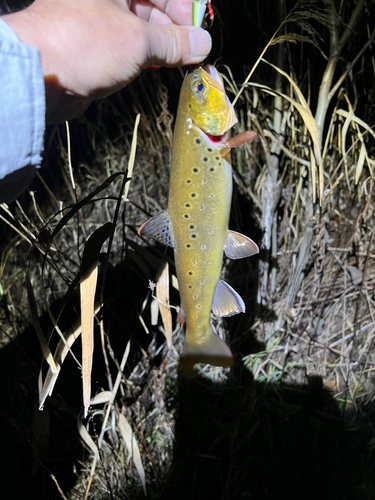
<point x="188" y="181"/>
<point x="190" y="273"/>
<point x="187" y="216"/>
<point x="205" y="158"/>
<point x="195" y="170"/>
<point x="193" y="195"/>
<point x="191" y="226"/>
<point x="188" y="246"/>
<point x="212" y="169"/>
<point x="217" y="158"/>
<point x="197" y="141"/>
<point x="209" y="150"/>
<point x="187" y="205"/>
<point x="193" y="235"/>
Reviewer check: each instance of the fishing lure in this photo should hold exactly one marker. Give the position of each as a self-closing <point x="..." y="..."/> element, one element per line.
<point x="199" y="11"/>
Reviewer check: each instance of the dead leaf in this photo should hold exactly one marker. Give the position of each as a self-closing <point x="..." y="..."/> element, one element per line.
<point x="162" y="293"/>
<point x="132" y="447"/>
<point x="89" y="273"/>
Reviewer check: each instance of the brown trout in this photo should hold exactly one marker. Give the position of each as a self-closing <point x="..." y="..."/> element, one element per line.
<point x="196" y="221"/>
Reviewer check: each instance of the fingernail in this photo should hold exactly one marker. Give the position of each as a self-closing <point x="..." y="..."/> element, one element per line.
<point x="200" y="43"/>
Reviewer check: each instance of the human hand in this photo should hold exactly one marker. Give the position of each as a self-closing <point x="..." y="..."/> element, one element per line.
<point x="92" y="48"/>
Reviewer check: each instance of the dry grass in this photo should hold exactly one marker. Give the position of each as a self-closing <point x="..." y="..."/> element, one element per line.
<point x="305" y="361"/>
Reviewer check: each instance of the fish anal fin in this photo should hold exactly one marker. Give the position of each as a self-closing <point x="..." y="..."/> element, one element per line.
<point x="211" y="349"/>
<point x="226" y="301"/>
<point x="238" y="246"/>
<point x="159" y="227"/>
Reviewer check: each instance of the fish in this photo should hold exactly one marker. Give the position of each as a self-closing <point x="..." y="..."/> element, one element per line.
<point x="195" y="223"/>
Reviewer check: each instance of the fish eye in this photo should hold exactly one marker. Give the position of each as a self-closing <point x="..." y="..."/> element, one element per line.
<point x="198" y="86"/>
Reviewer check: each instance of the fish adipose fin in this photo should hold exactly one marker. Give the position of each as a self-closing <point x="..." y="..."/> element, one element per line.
<point x="159" y="227"/>
<point x="226" y="301"/>
<point x="239" y="246"/>
<point x="212" y="350"/>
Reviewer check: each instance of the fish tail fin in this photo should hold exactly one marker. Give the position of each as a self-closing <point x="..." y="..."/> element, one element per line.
<point x="212" y="350"/>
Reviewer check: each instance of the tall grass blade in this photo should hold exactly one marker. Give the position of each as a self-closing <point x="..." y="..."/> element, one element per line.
<point x="310" y="123"/>
<point x="66" y="218"/>
<point x="61" y="351"/>
<point x="38" y="329"/>
<point x="132" y="156"/>
<point x="89" y="273"/>
<point x="132" y="447"/>
<point x="162" y="293"/>
<point x="360" y="163"/>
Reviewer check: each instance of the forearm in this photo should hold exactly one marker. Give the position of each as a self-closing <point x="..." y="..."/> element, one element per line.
<point x="22" y="104"/>
<point x="62" y="55"/>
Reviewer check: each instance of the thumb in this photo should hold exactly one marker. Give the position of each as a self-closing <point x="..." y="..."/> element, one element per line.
<point x="171" y="45"/>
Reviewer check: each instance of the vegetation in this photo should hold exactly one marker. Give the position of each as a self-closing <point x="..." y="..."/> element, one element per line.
<point x="295" y="416"/>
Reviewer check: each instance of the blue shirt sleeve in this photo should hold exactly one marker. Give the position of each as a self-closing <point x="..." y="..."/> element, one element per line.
<point x="22" y="112"/>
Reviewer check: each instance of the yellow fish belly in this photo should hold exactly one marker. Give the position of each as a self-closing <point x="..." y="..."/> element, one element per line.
<point x="199" y="206"/>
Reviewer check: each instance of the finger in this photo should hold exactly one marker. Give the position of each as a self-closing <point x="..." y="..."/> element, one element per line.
<point x="171" y="45"/>
<point x="164" y="11"/>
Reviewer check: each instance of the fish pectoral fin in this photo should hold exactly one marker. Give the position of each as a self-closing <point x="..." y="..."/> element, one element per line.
<point x="238" y="246"/>
<point x="212" y="350"/>
<point x="181" y="317"/>
<point x="227" y="302"/>
<point x="238" y="140"/>
<point x="159" y="227"/>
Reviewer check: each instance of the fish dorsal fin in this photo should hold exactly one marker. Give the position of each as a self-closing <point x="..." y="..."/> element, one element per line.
<point x="238" y="246"/>
<point x="159" y="227"/>
<point x="226" y="301"/>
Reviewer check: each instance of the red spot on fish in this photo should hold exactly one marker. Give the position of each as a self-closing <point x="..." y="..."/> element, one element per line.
<point x="199" y="326"/>
<point x="195" y="296"/>
<point x="211" y="196"/>
<point x="203" y="247"/>
<point x="202" y="207"/>
<point x="204" y="181"/>
<point x="215" y="212"/>
<point x="199" y="306"/>
<point x="202" y="282"/>
<point x="194" y="263"/>
<point x="210" y="232"/>
<point x="210" y="261"/>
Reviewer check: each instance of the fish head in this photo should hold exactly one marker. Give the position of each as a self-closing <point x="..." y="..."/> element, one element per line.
<point x="207" y="104"/>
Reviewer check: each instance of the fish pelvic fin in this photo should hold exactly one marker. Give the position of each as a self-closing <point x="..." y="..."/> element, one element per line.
<point x="238" y="246"/>
<point x="213" y="350"/>
<point x="226" y="302"/>
<point x="159" y="227"/>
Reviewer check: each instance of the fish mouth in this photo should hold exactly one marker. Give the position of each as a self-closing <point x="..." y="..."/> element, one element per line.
<point x="216" y="139"/>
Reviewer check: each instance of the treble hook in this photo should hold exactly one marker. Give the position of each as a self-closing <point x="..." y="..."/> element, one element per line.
<point x="210" y="14"/>
<point x="199" y="12"/>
